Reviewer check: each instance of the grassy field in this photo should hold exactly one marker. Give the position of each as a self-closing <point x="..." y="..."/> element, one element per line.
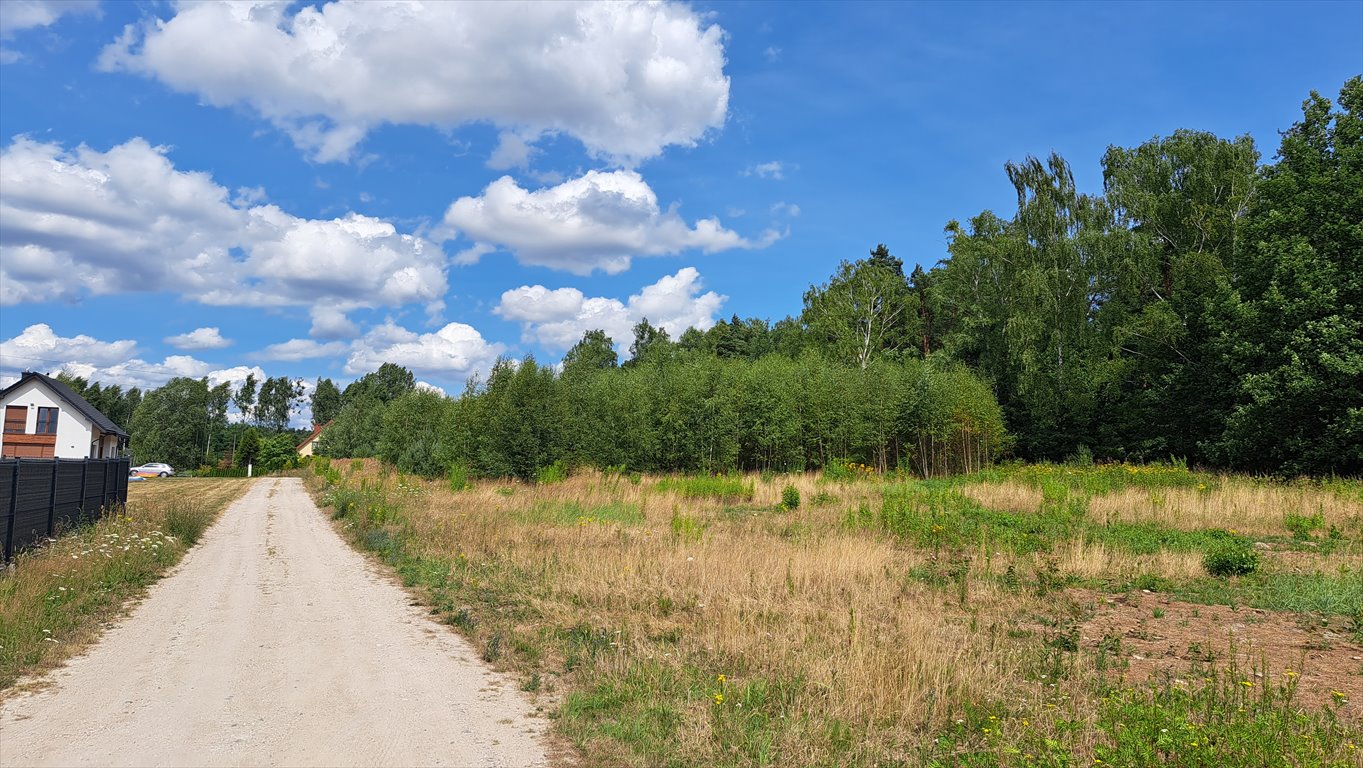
<point x="1029" y="615"/>
<point x="58" y="598"/>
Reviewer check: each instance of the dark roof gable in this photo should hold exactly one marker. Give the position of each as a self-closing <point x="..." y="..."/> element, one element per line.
<point x="68" y="394"/>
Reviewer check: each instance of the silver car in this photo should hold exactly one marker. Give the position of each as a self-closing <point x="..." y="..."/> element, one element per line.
<point x="153" y="469"/>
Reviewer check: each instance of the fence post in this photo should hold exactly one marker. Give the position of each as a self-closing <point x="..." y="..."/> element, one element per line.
<point x="84" y="470"/>
<point x="13" y="510"/>
<point x="52" y="499"/>
<point x="104" y="489"/>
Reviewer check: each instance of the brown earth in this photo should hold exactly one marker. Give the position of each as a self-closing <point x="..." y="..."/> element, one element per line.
<point x="1323" y="659"/>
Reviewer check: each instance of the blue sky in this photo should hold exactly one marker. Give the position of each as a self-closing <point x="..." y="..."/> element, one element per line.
<point x="310" y="190"/>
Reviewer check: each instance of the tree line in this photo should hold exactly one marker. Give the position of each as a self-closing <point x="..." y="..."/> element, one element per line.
<point x="185" y="422"/>
<point x="672" y="408"/>
<point x="1204" y="307"/>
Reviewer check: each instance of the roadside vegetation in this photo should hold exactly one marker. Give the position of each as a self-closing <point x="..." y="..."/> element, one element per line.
<point x="1024" y="615"/>
<point x="56" y="599"/>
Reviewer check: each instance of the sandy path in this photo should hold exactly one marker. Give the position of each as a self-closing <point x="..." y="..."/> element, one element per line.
<point x="274" y="643"/>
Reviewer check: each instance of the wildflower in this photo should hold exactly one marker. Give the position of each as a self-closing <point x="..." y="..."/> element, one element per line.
<point x="719" y="698"/>
<point x="1247" y="683"/>
<point x="720" y="678"/>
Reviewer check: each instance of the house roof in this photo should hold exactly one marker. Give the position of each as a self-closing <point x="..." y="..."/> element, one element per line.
<point x="316" y="430"/>
<point x="77" y="403"/>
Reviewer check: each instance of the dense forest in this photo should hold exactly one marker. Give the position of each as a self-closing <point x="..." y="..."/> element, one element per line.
<point x="1203" y="307"/>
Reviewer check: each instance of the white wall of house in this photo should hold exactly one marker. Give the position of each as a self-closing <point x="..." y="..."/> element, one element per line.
<point x="73" y="430"/>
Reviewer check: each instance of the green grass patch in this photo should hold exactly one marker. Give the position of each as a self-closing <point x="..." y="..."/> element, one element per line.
<point x="708" y="487"/>
<point x="934" y="514"/>
<point x="1232" y="718"/>
<point x="574" y="513"/>
<point x="642" y="707"/>
<point x="1337" y="594"/>
<point x="1097" y="479"/>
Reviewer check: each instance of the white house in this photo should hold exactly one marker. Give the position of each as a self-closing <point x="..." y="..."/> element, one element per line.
<point x="46" y="419"/>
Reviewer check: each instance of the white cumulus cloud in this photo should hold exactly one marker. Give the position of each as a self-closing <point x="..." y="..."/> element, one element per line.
<point x="771" y="170"/>
<point x="199" y="338"/>
<point x="19" y="15"/>
<point x="597" y="221"/>
<point x="450" y="354"/>
<point x="626" y="79"/>
<point x="303" y="349"/>
<point x="38" y="347"/>
<point x="558" y="318"/>
<point x="84" y="222"/>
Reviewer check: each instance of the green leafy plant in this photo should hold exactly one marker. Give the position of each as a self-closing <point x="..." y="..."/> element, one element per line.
<point x="459" y="477"/>
<point x="1301" y="526"/>
<point x="790" y="497"/>
<point x="551" y="474"/>
<point x="1231" y="557"/>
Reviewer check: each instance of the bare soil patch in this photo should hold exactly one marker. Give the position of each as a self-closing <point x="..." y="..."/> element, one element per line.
<point x="1184" y="637"/>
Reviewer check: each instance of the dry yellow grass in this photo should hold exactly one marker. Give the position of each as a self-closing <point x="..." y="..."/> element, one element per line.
<point x="1256" y="509"/>
<point x="761" y="594"/>
<point x="1009" y="496"/>
<point x="1252" y="508"/>
<point x="632" y="600"/>
<point x="57" y="599"/>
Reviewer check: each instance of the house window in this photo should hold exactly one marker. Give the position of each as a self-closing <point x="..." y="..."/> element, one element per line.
<point x="47" y="421"/>
<point x="16" y="417"/>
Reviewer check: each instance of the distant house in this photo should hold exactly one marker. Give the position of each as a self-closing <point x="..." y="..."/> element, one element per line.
<point x="46" y="419"/>
<point x="306" y="447"/>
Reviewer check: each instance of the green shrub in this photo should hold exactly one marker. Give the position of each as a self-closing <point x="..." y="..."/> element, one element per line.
<point x="686" y="527"/>
<point x="1301" y="526"/>
<point x="554" y="473"/>
<point x="1230" y="557"/>
<point x="790" y="497"/>
<point x="838" y="470"/>
<point x="219" y="472"/>
<point x="458" y="477"/>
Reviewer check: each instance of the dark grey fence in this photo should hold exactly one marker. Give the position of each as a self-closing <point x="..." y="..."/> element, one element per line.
<point x="39" y="497"/>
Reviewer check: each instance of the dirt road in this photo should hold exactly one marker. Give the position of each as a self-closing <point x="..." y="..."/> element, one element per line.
<point x="274" y="643"/>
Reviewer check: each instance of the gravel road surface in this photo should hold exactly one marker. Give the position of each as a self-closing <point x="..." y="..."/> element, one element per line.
<point x="274" y="643"/>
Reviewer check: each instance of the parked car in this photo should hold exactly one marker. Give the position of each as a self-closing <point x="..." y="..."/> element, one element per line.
<point x="154" y="469"/>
